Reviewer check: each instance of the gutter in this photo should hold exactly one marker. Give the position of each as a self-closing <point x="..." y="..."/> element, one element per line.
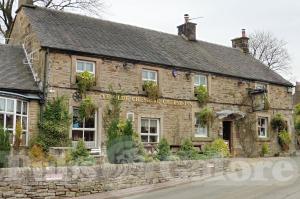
<point x="46" y="68"/>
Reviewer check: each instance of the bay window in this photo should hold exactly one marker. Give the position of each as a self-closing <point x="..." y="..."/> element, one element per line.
<point x="84" y="129"/>
<point x="13" y="111"/>
<point x="150" y="130"/>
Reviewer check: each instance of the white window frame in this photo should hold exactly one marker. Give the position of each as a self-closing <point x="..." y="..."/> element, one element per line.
<point x="150" y="134"/>
<point x="130" y="114"/>
<point x="260" y="86"/>
<point x="15" y="114"/>
<point x="198" y="83"/>
<point x="148" y="79"/>
<point x="198" y="128"/>
<point x="259" y="127"/>
<point x="83" y="129"/>
<point x="84" y="66"/>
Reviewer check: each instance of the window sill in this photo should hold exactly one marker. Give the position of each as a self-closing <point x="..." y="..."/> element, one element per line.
<point x="263" y="139"/>
<point x="202" y="139"/>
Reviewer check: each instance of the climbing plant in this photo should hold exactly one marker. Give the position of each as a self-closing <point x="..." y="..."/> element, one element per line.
<point x="278" y="123"/>
<point x="284" y="140"/>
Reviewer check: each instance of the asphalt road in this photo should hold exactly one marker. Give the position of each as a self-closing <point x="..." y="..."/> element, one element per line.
<point x="267" y="180"/>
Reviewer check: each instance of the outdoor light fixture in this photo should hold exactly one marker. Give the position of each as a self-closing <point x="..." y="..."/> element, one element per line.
<point x="188" y="75"/>
<point x="174" y="72"/>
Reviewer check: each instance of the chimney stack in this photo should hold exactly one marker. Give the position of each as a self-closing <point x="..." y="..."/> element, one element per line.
<point x="242" y="42"/>
<point x="188" y="29"/>
<point x="25" y="2"/>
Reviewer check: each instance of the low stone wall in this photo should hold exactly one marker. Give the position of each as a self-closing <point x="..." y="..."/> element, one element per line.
<point x="61" y="182"/>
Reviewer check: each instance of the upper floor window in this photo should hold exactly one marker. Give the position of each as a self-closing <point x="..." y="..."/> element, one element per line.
<point x="262" y="125"/>
<point x="200" y="80"/>
<point x="150" y="130"/>
<point x="82" y="66"/>
<point x="200" y="131"/>
<point x="260" y="86"/>
<point x="149" y="75"/>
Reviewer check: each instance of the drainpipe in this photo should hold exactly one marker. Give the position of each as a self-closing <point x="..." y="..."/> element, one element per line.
<point x="45" y="83"/>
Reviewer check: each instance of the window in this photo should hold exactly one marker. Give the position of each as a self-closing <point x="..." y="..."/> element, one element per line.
<point x="261" y="86"/>
<point x="82" y="66"/>
<point x="262" y="127"/>
<point x="200" y="131"/>
<point x="149" y="75"/>
<point x="130" y="116"/>
<point x="11" y="112"/>
<point x="84" y="129"/>
<point x="200" y="80"/>
<point x="149" y="130"/>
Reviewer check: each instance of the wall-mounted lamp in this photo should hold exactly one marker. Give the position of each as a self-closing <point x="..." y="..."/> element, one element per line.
<point x="174" y="72"/>
<point x="188" y="75"/>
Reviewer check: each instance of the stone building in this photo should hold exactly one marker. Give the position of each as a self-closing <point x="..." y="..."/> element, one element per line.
<point x="58" y="45"/>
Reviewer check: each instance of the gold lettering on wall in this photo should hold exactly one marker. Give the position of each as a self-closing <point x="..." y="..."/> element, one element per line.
<point x="147" y="100"/>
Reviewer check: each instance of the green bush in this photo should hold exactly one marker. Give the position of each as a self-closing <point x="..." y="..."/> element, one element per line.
<point x="297" y="124"/>
<point x="217" y="148"/>
<point x="54" y="125"/>
<point x="187" y="151"/>
<point x="206" y="116"/>
<point x="18" y="139"/>
<point x="278" y="123"/>
<point x="297" y="109"/>
<point x="85" y="81"/>
<point x="201" y="94"/>
<point x="284" y="140"/>
<point x="87" y="108"/>
<point x="163" y="150"/>
<point x="265" y="149"/>
<point x="4" y="147"/>
<point x="80" y="155"/>
<point x="152" y="90"/>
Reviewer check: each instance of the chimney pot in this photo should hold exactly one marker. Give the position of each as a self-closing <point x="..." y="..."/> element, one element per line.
<point x="188" y="29"/>
<point x="244" y="33"/>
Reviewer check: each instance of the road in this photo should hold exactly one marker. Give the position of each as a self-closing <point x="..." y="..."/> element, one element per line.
<point x="267" y="180"/>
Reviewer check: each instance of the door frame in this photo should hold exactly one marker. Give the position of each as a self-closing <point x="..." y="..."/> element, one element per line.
<point x="231" y="133"/>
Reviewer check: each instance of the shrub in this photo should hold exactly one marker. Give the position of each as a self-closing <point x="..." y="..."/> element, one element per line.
<point x="38" y="157"/>
<point x="284" y="140"/>
<point x="87" y="108"/>
<point x="163" y="150"/>
<point x="151" y="89"/>
<point x="201" y="94"/>
<point x="297" y="109"/>
<point x="206" y="116"/>
<point x="297" y="124"/>
<point x="187" y="151"/>
<point x="80" y="155"/>
<point x="85" y="81"/>
<point x="278" y="123"/>
<point x="265" y="149"/>
<point x="18" y="139"/>
<point x="54" y="125"/>
<point x="4" y="147"/>
<point x="217" y="148"/>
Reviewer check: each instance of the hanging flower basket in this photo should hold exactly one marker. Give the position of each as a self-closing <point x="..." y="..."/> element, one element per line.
<point x="85" y="81"/>
<point x="87" y="109"/>
<point x="206" y="117"/>
<point x="151" y="89"/>
<point x="201" y="94"/>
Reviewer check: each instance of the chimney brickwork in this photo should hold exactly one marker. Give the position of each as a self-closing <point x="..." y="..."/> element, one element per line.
<point x="242" y="42"/>
<point x="188" y="29"/>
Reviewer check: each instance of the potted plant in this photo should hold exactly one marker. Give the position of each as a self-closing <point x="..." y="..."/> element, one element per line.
<point x="85" y="81"/>
<point x="278" y="123"/>
<point x="284" y="140"/>
<point x="201" y="94"/>
<point x="152" y="90"/>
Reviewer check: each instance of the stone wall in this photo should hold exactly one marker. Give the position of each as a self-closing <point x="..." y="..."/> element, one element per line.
<point x="77" y="181"/>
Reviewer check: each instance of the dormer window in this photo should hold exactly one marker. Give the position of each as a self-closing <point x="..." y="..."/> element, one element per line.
<point x="200" y="80"/>
<point x="149" y="75"/>
<point x="82" y="66"/>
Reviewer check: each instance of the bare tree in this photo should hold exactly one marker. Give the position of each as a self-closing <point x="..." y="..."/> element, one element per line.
<point x="7" y="8"/>
<point x="271" y="51"/>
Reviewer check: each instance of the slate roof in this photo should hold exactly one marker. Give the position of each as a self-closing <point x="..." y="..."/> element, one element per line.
<point x="67" y="31"/>
<point x="15" y="75"/>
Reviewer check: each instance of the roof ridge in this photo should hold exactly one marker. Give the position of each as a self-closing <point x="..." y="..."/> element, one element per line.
<point x="114" y="22"/>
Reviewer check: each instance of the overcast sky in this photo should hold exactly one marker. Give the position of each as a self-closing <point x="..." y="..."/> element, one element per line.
<point x="223" y="19"/>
